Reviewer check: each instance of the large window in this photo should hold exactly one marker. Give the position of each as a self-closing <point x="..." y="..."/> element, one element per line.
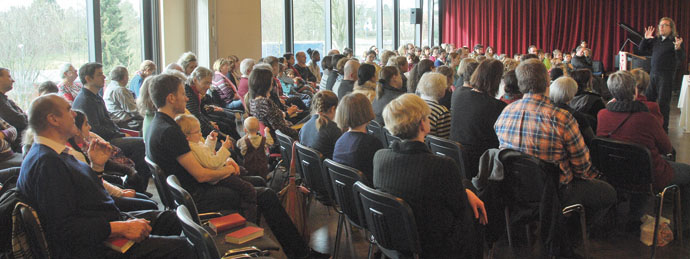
<point x="437" y="27"/>
<point x="272" y="29"/>
<point x="388" y="20"/>
<point x="309" y="19"/>
<point x="425" y="24"/>
<point x="121" y="34"/>
<point x="365" y="26"/>
<point x="339" y="24"/>
<point x="38" y="36"/>
<point x="406" y="29"/>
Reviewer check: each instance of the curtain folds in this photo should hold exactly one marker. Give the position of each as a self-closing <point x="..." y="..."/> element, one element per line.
<point x="510" y="26"/>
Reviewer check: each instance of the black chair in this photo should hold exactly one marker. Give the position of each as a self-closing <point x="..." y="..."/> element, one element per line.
<point x="200" y="239"/>
<point x="182" y="197"/>
<point x="390" y="220"/>
<point x="375" y="129"/>
<point x="35" y="236"/>
<point x="390" y="138"/>
<point x="629" y="167"/>
<point x="448" y="148"/>
<point x="285" y="143"/>
<point x="159" y="179"/>
<point x="532" y="185"/>
<point x="314" y="177"/>
<point x="342" y="179"/>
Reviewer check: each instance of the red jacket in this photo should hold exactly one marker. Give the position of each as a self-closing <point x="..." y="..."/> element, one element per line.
<point x="653" y="108"/>
<point x="637" y="129"/>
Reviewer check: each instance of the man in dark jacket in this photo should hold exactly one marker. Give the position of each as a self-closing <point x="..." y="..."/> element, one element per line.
<point x="667" y="51"/>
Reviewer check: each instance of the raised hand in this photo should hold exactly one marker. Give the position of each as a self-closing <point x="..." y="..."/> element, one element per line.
<point x="227" y="143"/>
<point x="649" y="32"/>
<point x="678" y="42"/>
<point x="99" y="152"/>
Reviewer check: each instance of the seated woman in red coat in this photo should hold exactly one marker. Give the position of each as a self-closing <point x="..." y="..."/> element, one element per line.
<point x="444" y="209"/>
<point x="641" y="84"/>
<point x="629" y="120"/>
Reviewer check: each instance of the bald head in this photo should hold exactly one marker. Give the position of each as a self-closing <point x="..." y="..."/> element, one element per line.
<point x="41" y="107"/>
<point x="350" y="70"/>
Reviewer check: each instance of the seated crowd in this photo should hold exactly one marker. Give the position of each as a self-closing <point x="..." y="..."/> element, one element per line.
<point x="81" y="138"/>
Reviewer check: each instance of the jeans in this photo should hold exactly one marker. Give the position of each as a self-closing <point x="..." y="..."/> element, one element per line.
<point x="134" y="148"/>
<point x="164" y="242"/>
<point x="138" y="202"/>
<point x="235" y="105"/>
<point x="597" y="196"/>
<point x="659" y="91"/>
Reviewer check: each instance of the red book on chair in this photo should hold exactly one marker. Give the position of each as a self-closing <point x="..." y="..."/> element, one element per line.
<point x="244" y="235"/>
<point x="119" y="244"/>
<point x="223" y="223"/>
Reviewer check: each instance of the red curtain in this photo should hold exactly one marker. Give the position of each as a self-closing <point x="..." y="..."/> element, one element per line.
<point x="510" y="26"/>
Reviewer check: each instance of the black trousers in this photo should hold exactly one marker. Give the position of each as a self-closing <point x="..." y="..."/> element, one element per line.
<point x="218" y="198"/>
<point x="134" y="148"/>
<point x="659" y="90"/>
<point x="164" y="242"/>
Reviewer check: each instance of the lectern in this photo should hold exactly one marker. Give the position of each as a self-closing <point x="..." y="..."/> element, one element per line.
<point x="626" y="60"/>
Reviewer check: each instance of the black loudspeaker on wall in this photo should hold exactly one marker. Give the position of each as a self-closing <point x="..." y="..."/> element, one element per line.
<point x="415" y="15"/>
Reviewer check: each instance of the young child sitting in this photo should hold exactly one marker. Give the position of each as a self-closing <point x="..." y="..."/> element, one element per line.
<point x="205" y="154"/>
<point x="253" y="147"/>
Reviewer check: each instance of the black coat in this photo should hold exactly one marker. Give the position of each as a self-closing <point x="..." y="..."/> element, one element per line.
<point x="389" y="93"/>
<point x="436" y="194"/>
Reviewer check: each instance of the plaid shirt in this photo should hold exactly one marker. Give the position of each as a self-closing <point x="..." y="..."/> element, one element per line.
<point x="535" y="126"/>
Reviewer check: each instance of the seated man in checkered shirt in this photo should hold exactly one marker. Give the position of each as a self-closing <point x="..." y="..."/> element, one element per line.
<point x="535" y="126"/>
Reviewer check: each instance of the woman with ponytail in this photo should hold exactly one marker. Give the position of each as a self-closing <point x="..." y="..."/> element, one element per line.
<point x="388" y="88"/>
<point x="366" y="81"/>
<point x="321" y="132"/>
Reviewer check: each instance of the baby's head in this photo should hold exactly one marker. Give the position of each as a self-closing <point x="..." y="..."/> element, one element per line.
<point x="251" y="125"/>
<point x="190" y="127"/>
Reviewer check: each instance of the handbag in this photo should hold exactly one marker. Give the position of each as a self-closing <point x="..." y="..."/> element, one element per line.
<point x="295" y="201"/>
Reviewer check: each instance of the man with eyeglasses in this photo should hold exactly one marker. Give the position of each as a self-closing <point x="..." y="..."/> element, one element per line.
<point x="667" y="52"/>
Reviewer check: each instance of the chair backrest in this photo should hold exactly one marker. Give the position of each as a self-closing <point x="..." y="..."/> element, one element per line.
<point x="625" y="165"/>
<point x="375" y="129"/>
<point x="34" y="232"/>
<point x="389" y="219"/>
<point x="285" y="143"/>
<point x="311" y="163"/>
<point x="182" y="197"/>
<point x="525" y="175"/>
<point x="159" y="179"/>
<point x="444" y="147"/>
<point x="389" y="137"/>
<point x="200" y="239"/>
<point x="343" y="178"/>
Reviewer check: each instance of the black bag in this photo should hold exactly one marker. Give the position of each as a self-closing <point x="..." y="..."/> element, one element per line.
<point x="278" y="178"/>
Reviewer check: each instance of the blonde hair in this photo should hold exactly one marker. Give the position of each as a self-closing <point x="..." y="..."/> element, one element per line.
<point x="321" y="103"/>
<point x="641" y="79"/>
<point x="674" y="32"/>
<point x="146" y="64"/>
<point x="403" y="115"/>
<point x="251" y="124"/>
<point x="188" y="123"/>
<point x="219" y="63"/>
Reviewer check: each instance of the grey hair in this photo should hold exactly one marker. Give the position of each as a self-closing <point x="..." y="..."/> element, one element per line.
<point x="432" y="85"/>
<point x="63" y="69"/>
<point x="173" y="66"/>
<point x="185" y="59"/>
<point x="247" y="64"/>
<point x="532" y="76"/>
<point x="177" y="73"/>
<point x="198" y="74"/>
<point x="266" y="66"/>
<point x="118" y="73"/>
<point x="562" y="90"/>
<point x="622" y="85"/>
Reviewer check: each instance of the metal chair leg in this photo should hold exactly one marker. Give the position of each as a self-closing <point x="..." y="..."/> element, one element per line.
<point x="337" y="236"/>
<point x="507" y="216"/>
<point x="678" y="215"/>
